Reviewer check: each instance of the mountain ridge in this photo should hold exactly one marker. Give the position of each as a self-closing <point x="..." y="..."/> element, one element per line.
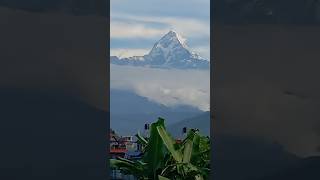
<point x="171" y="51"/>
<point x="201" y="121"/>
<point x="128" y="109"/>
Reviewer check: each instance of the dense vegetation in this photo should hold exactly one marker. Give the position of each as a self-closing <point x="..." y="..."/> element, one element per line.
<point x="164" y="158"/>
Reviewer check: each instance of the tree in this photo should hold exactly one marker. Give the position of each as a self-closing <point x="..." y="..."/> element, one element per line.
<point x="164" y="158"/>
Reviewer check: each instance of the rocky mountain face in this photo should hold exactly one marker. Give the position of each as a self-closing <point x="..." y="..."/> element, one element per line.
<point x="171" y="51"/>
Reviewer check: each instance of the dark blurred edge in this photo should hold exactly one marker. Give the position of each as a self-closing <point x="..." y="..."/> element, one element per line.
<point x="54" y="88"/>
<point x="212" y="80"/>
<point x="271" y="18"/>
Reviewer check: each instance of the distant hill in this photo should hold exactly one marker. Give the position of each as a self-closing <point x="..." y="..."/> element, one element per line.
<point x="201" y="122"/>
<point x="126" y="101"/>
<point x="129" y="112"/>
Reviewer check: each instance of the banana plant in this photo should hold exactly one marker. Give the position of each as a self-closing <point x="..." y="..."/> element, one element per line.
<point x="165" y="159"/>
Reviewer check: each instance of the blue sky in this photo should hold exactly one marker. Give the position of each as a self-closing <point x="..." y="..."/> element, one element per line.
<point x="137" y="24"/>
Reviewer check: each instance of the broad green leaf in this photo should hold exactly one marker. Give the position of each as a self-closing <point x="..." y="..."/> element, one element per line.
<point x="198" y="177"/>
<point x="141" y="139"/>
<point x="154" y="151"/>
<point x="187" y="152"/>
<point x="162" y="178"/>
<point x="189" y="167"/>
<point x="169" y="143"/>
<point x="126" y="165"/>
<point x="180" y="169"/>
<point x="196" y="148"/>
<point x="188" y="146"/>
<point x="196" y="143"/>
<point x="141" y="163"/>
<point x="126" y="160"/>
<point x="169" y="168"/>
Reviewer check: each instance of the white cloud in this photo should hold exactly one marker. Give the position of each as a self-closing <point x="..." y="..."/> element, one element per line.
<point x="168" y="87"/>
<point x="187" y="27"/>
<point x="120" y="29"/>
<point x="128" y="52"/>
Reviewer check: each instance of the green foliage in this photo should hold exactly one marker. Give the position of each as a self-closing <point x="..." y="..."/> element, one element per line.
<point x="154" y="151"/>
<point x="165" y="159"/>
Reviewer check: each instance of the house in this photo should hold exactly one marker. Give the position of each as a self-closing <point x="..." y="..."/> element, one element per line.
<point x="120" y="145"/>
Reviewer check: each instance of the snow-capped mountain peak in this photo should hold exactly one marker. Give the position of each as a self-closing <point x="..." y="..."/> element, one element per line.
<point x="173" y="37"/>
<point x="171" y="51"/>
<point x="170" y="47"/>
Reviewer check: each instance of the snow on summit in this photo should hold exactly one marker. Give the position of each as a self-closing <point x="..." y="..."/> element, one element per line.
<point x="171" y="51"/>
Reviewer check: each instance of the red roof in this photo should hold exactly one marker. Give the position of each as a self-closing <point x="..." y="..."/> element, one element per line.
<point x="118" y="150"/>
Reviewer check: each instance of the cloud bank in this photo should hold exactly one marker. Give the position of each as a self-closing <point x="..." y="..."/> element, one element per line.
<point x="167" y="87"/>
<point x="122" y="53"/>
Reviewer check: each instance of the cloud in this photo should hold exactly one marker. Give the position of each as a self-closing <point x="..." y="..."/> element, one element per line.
<point x="134" y="25"/>
<point x="128" y="30"/>
<point x="188" y="27"/>
<point x="159" y="86"/>
<point x="128" y="52"/>
<point x="120" y="29"/>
